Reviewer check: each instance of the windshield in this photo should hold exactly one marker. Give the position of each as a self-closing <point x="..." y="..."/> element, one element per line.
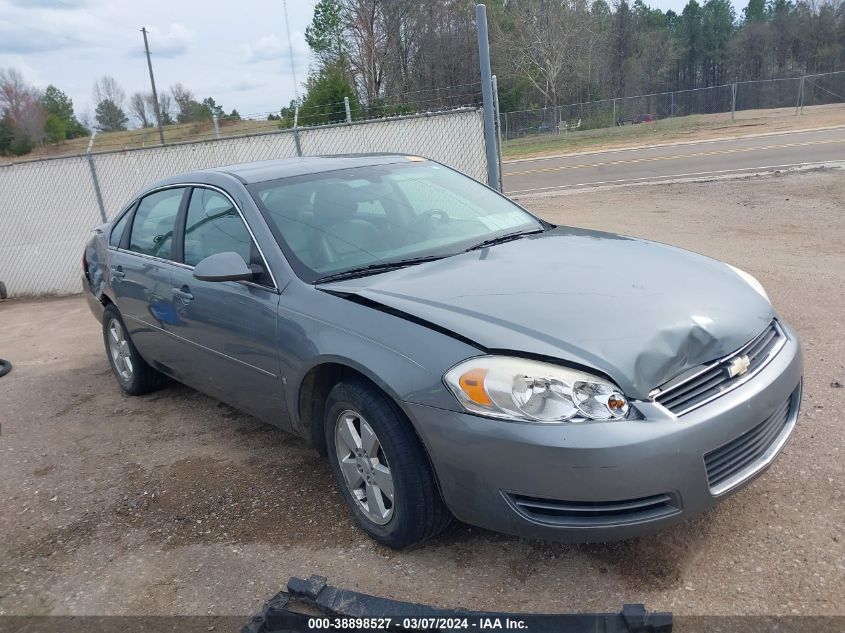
<point x="332" y="222"/>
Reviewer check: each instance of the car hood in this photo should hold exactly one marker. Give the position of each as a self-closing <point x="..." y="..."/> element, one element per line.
<point x="638" y="311"/>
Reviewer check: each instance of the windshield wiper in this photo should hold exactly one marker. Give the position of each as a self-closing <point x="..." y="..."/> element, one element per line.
<point x="507" y="237"/>
<point x="380" y="267"/>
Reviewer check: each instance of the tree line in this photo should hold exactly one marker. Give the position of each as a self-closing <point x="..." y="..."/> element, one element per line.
<point x="395" y="56"/>
<point x="30" y="117"/>
<point x="555" y="52"/>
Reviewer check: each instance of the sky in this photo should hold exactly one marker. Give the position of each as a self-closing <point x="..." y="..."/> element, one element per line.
<point x="678" y="5"/>
<point x="236" y="52"/>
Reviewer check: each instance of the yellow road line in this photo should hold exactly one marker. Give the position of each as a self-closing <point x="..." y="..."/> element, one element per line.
<point x="674" y="157"/>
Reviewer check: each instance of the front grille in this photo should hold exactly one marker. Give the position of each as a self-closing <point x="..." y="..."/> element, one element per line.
<point x="729" y="460"/>
<point x="714" y="379"/>
<point x="595" y="513"/>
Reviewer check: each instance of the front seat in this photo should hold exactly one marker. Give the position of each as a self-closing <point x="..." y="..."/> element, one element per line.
<point x="338" y="233"/>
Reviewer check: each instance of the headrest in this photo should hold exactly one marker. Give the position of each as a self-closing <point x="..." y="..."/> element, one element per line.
<point x="334" y="201"/>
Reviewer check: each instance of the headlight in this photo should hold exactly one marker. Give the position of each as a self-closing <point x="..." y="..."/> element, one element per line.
<point x="751" y="280"/>
<point x="532" y="391"/>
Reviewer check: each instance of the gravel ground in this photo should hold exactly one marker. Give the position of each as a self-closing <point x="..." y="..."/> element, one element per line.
<point x="173" y="503"/>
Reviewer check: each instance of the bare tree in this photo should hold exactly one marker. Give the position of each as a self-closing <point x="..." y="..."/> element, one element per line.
<point x="369" y="44"/>
<point x="165" y="107"/>
<point x="107" y="89"/>
<point x="542" y="50"/>
<point x="139" y="108"/>
<point x="22" y="103"/>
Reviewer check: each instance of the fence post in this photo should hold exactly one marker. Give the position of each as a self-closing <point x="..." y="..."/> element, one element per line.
<point x="94" y="179"/>
<point x="216" y="126"/>
<point x="348" y="111"/>
<point x="800" y="102"/>
<point x="296" y="131"/>
<point x="487" y="95"/>
<point x="613" y="120"/>
<point x="498" y="131"/>
<point x="733" y="101"/>
<point x="672" y="108"/>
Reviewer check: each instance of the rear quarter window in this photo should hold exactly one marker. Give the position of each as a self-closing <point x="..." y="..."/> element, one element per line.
<point x="117" y="231"/>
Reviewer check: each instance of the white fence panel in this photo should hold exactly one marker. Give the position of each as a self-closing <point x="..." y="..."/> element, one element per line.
<point x="455" y="139"/>
<point x="121" y="174"/>
<point x="48" y="207"/>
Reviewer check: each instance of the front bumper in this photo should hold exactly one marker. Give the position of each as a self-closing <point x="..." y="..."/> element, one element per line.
<point x="649" y="472"/>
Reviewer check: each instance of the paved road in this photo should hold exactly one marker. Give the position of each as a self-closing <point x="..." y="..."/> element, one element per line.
<point x="689" y="160"/>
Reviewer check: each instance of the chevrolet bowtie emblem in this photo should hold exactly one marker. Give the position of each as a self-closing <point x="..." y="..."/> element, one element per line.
<point x="738" y="366"/>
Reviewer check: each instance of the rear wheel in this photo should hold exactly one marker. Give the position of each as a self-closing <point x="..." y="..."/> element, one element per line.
<point x="132" y="372"/>
<point x="381" y="468"/>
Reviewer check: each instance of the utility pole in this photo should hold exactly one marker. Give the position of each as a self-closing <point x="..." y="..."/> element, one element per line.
<point x="153" y="84"/>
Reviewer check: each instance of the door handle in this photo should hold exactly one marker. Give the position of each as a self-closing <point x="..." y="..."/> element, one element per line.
<point x="117" y="272"/>
<point x="183" y="293"/>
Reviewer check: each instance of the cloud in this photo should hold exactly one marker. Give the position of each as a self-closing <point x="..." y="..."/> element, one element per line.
<point x="246" y="83"/>
<point x="272" y="48"/>
<point x="30" y="74"/>
<point x="37" y="31"/>
<point x="44" y="28"/>
<point x="16" y="40"/>
<point x="171" y="43"/>
<point x="50" y="4"/>
<point x="267" y="48"/>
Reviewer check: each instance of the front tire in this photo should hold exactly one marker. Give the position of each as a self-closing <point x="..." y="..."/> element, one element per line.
<point x="381" y="467"/>
<point x="132" y="372"/>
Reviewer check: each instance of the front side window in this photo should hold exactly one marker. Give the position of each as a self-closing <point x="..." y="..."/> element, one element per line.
<point x="154" y="222"/>
<point x="213" y="225"/>
<point x="343" y="220"/>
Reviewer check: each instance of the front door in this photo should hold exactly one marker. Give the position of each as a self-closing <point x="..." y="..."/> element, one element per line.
<point x="228" y="328"/>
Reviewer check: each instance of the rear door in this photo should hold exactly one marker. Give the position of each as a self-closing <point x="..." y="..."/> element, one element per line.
<point x="139" y="274"/>
<point x="228" y="329"/>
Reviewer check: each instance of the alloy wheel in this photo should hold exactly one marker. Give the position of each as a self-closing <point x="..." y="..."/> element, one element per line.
<point x="364" y="465"/>
<point x="121" y="355"/>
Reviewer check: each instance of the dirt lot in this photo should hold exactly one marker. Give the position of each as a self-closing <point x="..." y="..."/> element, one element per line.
<point x="173" y="503"/>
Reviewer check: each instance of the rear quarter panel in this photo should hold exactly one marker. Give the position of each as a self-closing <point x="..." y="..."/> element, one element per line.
<point x="95" y="273"/>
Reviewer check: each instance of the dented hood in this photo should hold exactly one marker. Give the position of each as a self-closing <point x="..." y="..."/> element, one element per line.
<point x="638" y="311"/>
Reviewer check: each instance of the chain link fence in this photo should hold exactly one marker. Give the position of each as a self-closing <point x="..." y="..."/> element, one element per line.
<point x="49" y="206"/>
<point x="796" y="92"/>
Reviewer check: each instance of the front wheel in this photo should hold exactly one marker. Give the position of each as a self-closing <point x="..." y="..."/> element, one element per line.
<point x="381" y="468"/>
<point x="132" y="372"/>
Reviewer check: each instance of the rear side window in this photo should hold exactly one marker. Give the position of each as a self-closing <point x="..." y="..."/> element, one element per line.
<point x="117" y="232"/>
<point x="213" y="225"/>
<point x="155" y="220"/>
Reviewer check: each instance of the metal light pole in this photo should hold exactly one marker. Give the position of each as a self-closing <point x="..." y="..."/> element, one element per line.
<point x="799" y="105"/>
<point x="153" y="84"/>
<point x="487" y="96"/>
<point x="498" y="133"/>
<point x="733" y="101"/>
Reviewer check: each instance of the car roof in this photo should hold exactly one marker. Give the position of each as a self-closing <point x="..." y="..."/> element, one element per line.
<point x="260" y="171"/>
<point x="264" y="170"/>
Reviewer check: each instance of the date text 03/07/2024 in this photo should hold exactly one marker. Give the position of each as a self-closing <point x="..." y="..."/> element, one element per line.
<point x="412" y="624"/>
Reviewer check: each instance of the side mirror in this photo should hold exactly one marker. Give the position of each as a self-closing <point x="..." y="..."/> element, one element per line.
<point x="226" y="266"/>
